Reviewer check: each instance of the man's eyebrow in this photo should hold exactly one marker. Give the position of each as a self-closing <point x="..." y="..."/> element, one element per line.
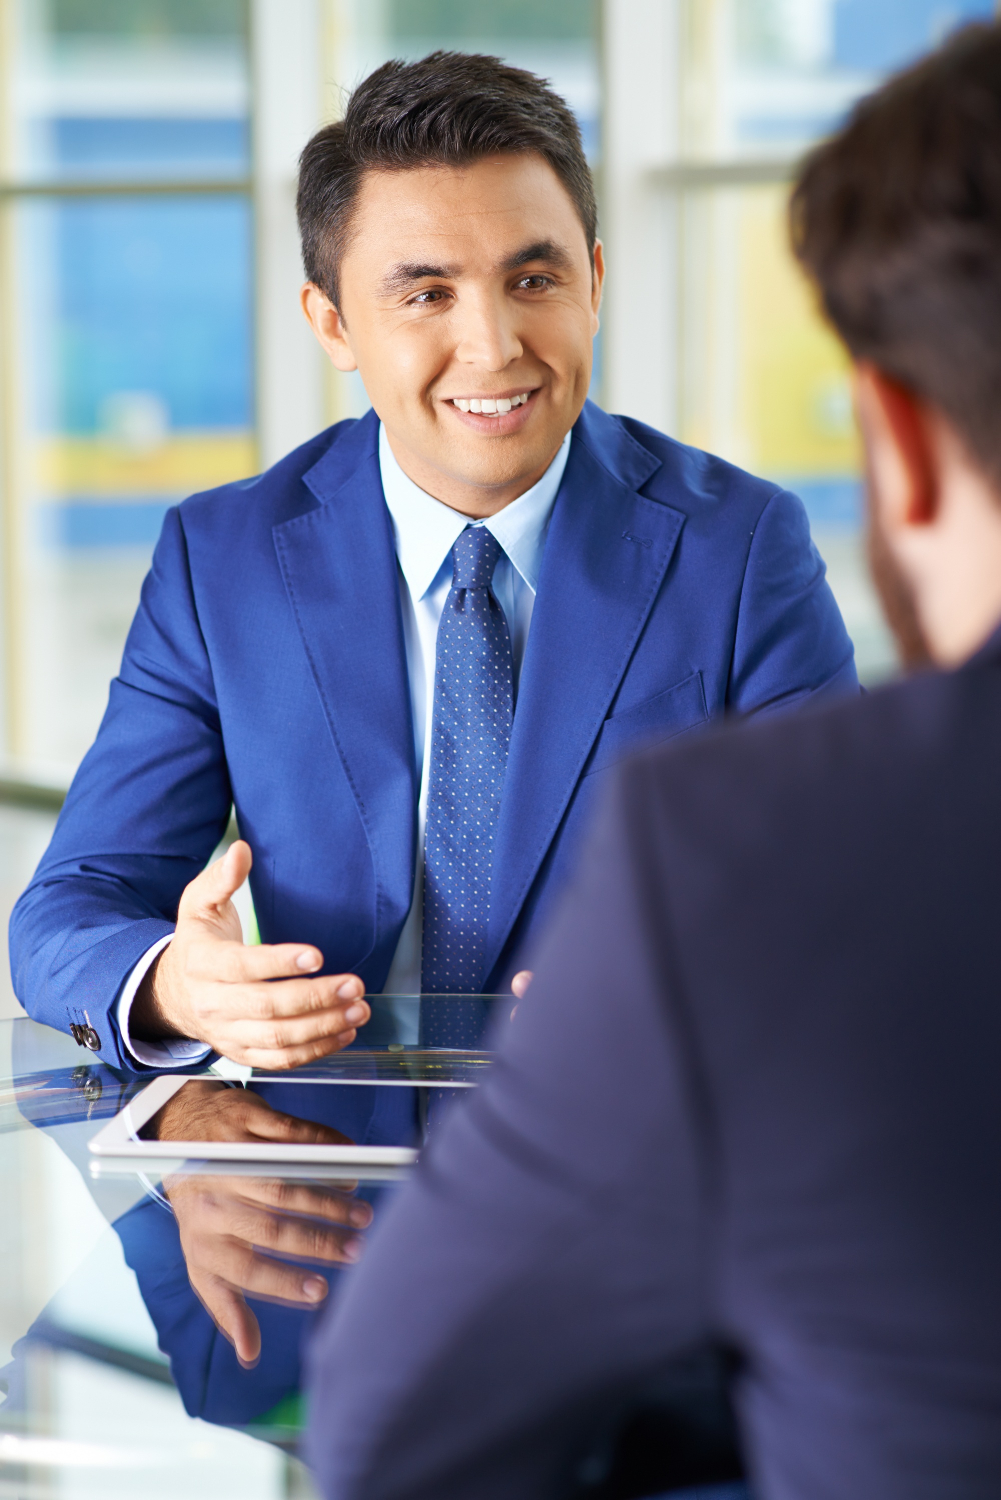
<point x="545" y="250"/>
<point x="405" y="274"/>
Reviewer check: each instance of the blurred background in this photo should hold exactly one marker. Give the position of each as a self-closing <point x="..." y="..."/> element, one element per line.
<point x="150" y="339"/>
<point x="151" y="345"/>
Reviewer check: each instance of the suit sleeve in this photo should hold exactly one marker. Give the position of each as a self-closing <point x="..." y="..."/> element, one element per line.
<point x="791" y="641"/>
<point x="548" y="1254"/>
<point x="145" y="811"/>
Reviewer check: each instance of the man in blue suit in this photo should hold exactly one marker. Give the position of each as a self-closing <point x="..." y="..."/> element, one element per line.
<point x="744" y="1135"/>
<point x="409" y="653"/>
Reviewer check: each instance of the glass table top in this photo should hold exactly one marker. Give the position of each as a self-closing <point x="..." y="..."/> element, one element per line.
<point x="123" y="1291"/>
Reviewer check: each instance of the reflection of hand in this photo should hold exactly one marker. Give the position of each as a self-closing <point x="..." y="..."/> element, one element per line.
<point x="204" y="1110"/>
<point x="264" y="1005"/>
<point x="225" y="1221"/>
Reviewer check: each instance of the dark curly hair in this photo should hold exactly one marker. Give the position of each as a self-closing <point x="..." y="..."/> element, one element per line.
<point x="897" y="219"/>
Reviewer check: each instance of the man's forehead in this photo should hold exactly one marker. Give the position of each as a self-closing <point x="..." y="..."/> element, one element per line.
<point x="443" y="215"/>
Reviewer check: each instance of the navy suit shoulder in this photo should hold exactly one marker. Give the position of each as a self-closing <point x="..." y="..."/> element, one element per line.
<point x="750" y="1103"/>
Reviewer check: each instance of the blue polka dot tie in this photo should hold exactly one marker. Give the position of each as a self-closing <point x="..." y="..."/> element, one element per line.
<point x="470" y="734"/>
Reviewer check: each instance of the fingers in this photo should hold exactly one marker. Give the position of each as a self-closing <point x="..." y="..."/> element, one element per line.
<point x="299" y="1238"/>
<point x="280" y="1033"/>
<point x="299" y="1198"/>
<point x="217" y="884"/>
<point x="520" y="983"/>
<point x="272" y="1060"/>
<point x="266" y="999"/>
<point x="221" y="1235"/>
<point x="275" y="1282"/>
<point x="235" y="963"/>
<point x="263" y="1123"/>
<point x="256" y="967"/>
<point x="231" y="1315"/>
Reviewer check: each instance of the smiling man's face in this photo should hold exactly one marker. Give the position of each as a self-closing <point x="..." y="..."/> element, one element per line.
<point x="469" y="306"/>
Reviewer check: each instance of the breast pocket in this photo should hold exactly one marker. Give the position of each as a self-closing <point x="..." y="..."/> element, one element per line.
<point x="672" y="712"/>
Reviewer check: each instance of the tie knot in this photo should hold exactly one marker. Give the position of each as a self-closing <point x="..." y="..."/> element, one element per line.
<point x="474" y="558"/>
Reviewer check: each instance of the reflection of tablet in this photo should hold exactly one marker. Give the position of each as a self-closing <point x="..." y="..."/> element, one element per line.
<point x="409" y="1042"/>
<point x="122" y="1137"/>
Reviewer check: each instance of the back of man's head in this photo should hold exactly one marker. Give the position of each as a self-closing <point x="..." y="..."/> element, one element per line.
<point x="447" y="110"/>
<point x="898" y="221"/>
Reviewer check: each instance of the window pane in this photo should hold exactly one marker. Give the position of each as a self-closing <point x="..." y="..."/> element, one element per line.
<point x="761" y="380"/>
<point x="127" y="323"/>
<point x="780" y="73"/>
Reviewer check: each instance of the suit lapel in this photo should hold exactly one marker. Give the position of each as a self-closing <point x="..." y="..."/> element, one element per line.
<point x="606" y="555"/>
<point x="339" y="565"/>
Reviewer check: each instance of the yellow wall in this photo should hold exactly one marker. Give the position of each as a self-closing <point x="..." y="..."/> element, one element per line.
<point x="795" y="402"/>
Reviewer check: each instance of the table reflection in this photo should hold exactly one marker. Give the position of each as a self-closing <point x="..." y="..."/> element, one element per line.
<point x="233" y="1262"/>
<point x="254" y="1236"/>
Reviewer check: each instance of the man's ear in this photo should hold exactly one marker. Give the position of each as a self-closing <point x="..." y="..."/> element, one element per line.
<point x="328" y="325"/>
<point x="900" y="447"/>
<point x="597" y="280"/>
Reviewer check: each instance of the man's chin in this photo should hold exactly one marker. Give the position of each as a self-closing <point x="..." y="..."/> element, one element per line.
<point x="497" y="463"/>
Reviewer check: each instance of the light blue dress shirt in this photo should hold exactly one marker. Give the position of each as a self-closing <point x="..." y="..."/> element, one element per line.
<point x="425" y="531"/>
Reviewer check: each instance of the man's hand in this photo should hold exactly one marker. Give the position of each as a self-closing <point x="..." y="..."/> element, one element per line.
<point x="206" y="1109"/>
<point x="255" y="1005"/>
<point x="225" y="1222"/>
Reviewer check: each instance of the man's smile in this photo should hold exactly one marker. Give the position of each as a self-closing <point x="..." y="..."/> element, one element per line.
<point x="495" y="415"/>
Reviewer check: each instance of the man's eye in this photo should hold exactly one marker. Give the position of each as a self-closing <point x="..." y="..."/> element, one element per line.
<point x="423" y="299"/>
<point x="534" y="283"/>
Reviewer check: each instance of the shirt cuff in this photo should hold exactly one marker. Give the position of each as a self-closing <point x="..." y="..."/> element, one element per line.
<point x="172" y="1050"/>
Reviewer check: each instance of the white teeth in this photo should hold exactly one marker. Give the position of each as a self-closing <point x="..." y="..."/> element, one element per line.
<point x="488" y="407"/>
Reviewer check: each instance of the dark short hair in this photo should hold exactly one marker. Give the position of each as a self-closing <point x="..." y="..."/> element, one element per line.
<point x="898" y="221"/>
<point x="448" y="109"/>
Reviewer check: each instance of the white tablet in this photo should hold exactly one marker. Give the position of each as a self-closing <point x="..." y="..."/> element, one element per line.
<point x="126" y="1136"/>
<point x="401" y="1046"/>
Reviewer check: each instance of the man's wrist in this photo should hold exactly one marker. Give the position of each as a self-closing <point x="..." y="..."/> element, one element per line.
<point x="148" y="1019"/>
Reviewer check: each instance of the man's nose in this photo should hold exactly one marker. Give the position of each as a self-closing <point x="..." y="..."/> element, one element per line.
<point x="488" y="336"/>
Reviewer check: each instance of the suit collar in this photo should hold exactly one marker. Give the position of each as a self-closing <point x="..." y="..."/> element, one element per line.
<point x="614" y="448"/>
<point x="354" y="445"/>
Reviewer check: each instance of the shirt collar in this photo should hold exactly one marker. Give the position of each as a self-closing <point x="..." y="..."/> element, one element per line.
<point x="426" y="530"/>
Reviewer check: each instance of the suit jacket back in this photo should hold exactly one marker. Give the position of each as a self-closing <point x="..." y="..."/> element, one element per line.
<point x="752" y="1103"/>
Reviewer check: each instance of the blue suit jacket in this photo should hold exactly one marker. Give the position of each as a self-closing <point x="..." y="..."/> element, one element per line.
<point x="266" y="669"/>
<point x="751" y="1103"/>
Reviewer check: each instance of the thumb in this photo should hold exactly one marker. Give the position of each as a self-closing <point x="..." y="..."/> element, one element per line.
<point x="218" y="883"/>
<point x="231" y="1315"/>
